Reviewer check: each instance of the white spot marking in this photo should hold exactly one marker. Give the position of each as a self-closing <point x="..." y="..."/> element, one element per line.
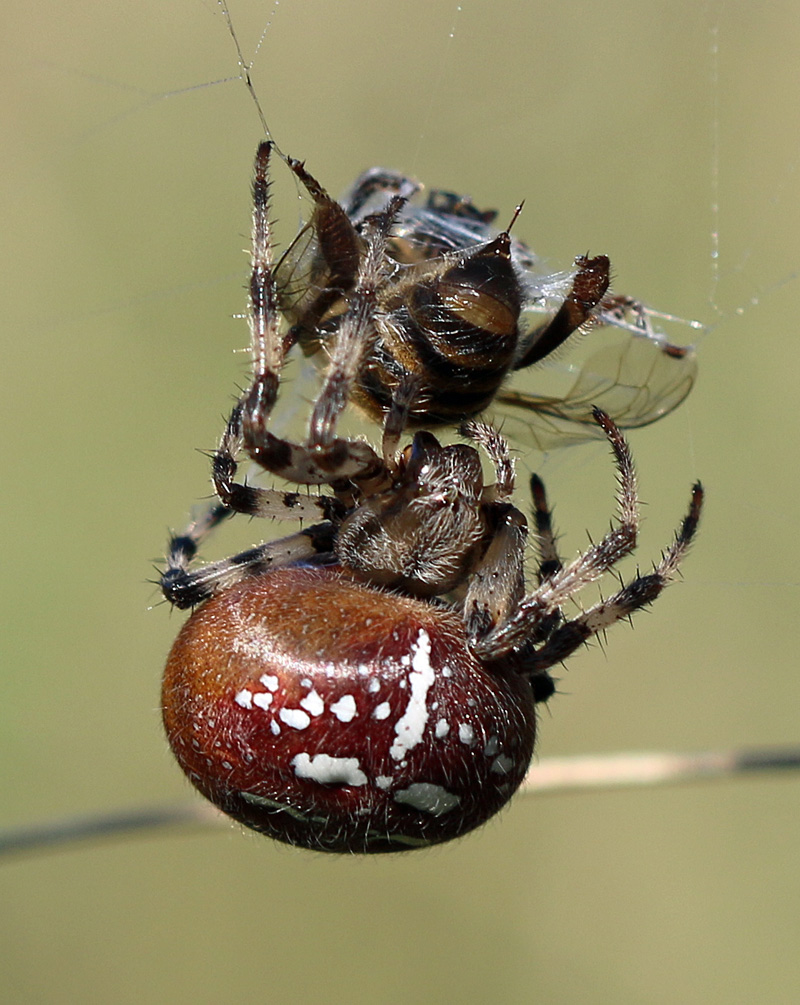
<point x="329" y="770"/>
<point x="466" y="734"/>
<point x="244" y="698"/>
<point x="263" y="699"/>
<point x="501" y="765"/>
<point x="382" y="711"/>
<point x="427" y="797"/>
<point x="447" y="672"/>
<point x="305" y="682"/>
<point x="313" y="703"/>
<point x="374" y="685"/>
<point x="227" y="765"/>
<point x="270" y="683"/>
<point x="442" y="729"/>
<point x="345" y="708"/>
<point x="492" y="746"/>
<point x="410" y="727"/>
<point x="383" y="781"/>
<point x="295" y="717"/>
<point x="275" y="727"/>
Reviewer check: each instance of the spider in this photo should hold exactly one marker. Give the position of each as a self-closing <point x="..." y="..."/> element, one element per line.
<point x="369" y="683"/>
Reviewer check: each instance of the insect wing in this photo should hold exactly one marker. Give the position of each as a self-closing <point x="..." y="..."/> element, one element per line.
<point x="298" y="269"/>
<point x="421" y="234"/>
<point x="636" y="381"/>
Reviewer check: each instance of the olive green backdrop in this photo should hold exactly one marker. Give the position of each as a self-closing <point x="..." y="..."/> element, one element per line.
<point x="124" y="214"/>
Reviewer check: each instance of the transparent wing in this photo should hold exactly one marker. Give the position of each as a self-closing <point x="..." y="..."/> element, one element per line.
<point x="298" y="269"/>
<point x="637" y="381"/>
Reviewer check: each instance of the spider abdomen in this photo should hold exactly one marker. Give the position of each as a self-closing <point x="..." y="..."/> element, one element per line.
<point x="339" y="717"/>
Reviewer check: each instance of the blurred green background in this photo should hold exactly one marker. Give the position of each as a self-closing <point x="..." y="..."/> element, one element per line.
<point x="125" y="208"/>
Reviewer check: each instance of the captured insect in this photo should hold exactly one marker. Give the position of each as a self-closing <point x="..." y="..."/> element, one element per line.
<point x="460" y="307"/>
<point x="369" y="683"/>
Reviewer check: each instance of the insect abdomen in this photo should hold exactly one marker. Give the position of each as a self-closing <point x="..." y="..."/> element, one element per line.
<point x="455" y="330"/>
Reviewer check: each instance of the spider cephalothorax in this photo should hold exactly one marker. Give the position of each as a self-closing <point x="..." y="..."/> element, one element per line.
<point x="369" y="683"/>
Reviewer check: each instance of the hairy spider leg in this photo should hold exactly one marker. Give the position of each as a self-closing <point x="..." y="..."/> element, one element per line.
<point x="492" y="641"/>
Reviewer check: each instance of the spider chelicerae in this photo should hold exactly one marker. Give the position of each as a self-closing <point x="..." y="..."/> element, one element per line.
<point x="369" y="682"/>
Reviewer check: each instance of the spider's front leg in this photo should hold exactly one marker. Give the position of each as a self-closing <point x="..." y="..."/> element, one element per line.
<point x="322" y="458"/>
<point x="267" y="346"/>
<point x="259" y="502"/>
<point x="249" y="420"/>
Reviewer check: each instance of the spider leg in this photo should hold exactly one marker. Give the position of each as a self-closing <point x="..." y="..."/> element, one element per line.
<point x="589" y="287"/>
<point x="323" y="458"/>
<point x="497" y="586"/>
<point x="260" y="502"/>
<point x="397" y="418"/>
<point x="184" y="587"/>
<point x="183" y="547"/>
<point x="556" y="589"/>
<point x="498" y="583"/>
<point x="495" y="447"/>
<point x="549" y="559"/>
<point x="291" y="461"/>
<point x="267" y="346"/>
<point x="356" y="332"/>
<point x="638" y="593"/>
